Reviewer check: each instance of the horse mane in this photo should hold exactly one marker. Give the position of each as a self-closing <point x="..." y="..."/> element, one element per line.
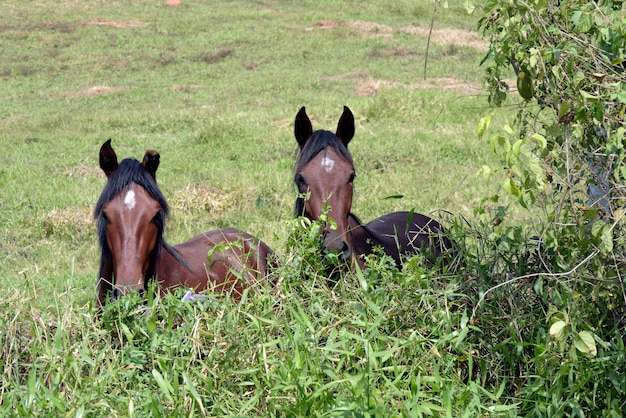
<point x="132" y="171"/>
<point x="319" y="141"/>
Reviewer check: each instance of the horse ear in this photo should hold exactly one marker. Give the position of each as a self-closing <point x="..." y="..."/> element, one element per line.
<point x="108" y="159"/>
<point x="345" y="127"/>
<point x="302" y="127"/>
<point x="151" y="162"/>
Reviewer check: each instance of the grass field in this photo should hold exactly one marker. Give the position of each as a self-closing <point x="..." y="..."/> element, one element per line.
<point x="214" y="87"/>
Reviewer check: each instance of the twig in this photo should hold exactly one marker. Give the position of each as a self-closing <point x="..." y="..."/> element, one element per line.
<point x="430" y="32"/>
<point x="528" y="276"/>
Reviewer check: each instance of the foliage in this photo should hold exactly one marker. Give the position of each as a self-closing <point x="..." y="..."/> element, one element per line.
<point x="563" y="160"/>
<point x="567" y="145"/>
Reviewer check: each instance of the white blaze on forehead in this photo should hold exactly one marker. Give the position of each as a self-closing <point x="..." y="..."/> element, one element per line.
<point x="129" y="200"/>
<point x="327" y="164"/>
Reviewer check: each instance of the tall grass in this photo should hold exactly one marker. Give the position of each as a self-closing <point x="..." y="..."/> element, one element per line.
<point x="381" y="342"/>
<point x="378" y="342"/>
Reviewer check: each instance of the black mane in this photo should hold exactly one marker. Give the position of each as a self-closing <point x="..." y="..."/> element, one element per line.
<point x="318" y="142"/>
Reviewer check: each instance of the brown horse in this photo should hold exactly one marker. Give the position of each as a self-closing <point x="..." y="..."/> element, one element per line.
<point x="131" y="216"/>
<point x="325" y="174"/>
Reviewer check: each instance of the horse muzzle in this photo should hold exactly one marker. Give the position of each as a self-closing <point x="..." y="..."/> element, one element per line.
<point x="120" y="291"/>
<point x="338" y="245"/>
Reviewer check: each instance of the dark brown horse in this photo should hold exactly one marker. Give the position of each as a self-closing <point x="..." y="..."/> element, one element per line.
<point x="325" y="174"/>
<point x="131" y="216"/>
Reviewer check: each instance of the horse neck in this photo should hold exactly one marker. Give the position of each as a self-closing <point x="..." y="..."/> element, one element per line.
<point x="361" y="241"/>
<point x="168" y="259"/>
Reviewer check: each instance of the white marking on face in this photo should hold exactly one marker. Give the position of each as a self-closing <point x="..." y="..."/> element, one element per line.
<point x="327" y="164"/>
<point x="129" y="200"/>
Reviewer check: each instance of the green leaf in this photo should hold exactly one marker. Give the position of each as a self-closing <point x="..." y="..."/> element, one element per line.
<point x="541" y="140"/>
<point x="515" y="149"/>
<point x="588" y="96"/>
<point x="556" y="329"/>
<point x="192" y="389"/>
<point x="164" y="385"/>
<point x="583" y="21"/>
<point x="564" y="108"/>
<point x="578" y="78"/>
<point x="510" y="187"/>
<point x="603" y="236"/>
<point x="461" y="336"/>
<point x="585" y="343"/>
<point x="486" y="171"/>
<point x="360" y="276"/>
<point x="469" y="7"/>
<point x="500" y="142"/>
<point x="525" y="85"/>
<point x="483" y="125"/>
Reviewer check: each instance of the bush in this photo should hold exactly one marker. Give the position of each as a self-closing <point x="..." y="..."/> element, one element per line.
<point x="561" y="274"/>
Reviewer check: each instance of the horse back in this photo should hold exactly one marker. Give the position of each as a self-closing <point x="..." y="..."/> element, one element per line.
<point x="408" y="233"/>
<point x="223" y="260"/>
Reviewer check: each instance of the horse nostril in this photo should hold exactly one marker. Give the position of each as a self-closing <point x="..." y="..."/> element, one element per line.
<point x="116" y="294"/>
<point x="345" y="251"/>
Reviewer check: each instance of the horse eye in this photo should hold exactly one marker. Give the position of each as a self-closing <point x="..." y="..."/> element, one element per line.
<point x="156" y="219"/>
<point x="352" y="177"/>
<point x="300" y="180"/>
<point x="104" y="217"/>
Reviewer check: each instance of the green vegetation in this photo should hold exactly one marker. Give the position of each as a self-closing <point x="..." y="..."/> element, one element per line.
<point x="531" y="322"/>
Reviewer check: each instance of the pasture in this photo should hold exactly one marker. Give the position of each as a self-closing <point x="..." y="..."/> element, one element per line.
<point x="214" y="87"/>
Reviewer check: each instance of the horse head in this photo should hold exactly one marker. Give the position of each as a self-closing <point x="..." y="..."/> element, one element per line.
<point x="131" y="215"/>
<point x="324" y="177"/>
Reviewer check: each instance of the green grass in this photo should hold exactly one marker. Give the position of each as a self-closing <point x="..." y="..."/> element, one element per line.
<point x="214" y="88"/>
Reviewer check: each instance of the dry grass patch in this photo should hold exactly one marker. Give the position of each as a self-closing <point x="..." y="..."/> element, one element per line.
<point x="371" y="86"/>
<point x="444" y="36"/>
<point x="194" y="198"/>
<point x="71" y="221"/>
<point x="450" y="37"/>
<point x="98" y="90"/>
<point x="84" y="169"/>
<point x="116" y="23"/>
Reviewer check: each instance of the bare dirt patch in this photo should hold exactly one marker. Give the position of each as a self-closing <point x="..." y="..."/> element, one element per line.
<point x="371" y="86"/>
<point x="212" y="57"/>
<point x="371" y="29"/>
<point x="451" y="84"/>
<point x="186" y="87"/>
<point x="72" y="222"/>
